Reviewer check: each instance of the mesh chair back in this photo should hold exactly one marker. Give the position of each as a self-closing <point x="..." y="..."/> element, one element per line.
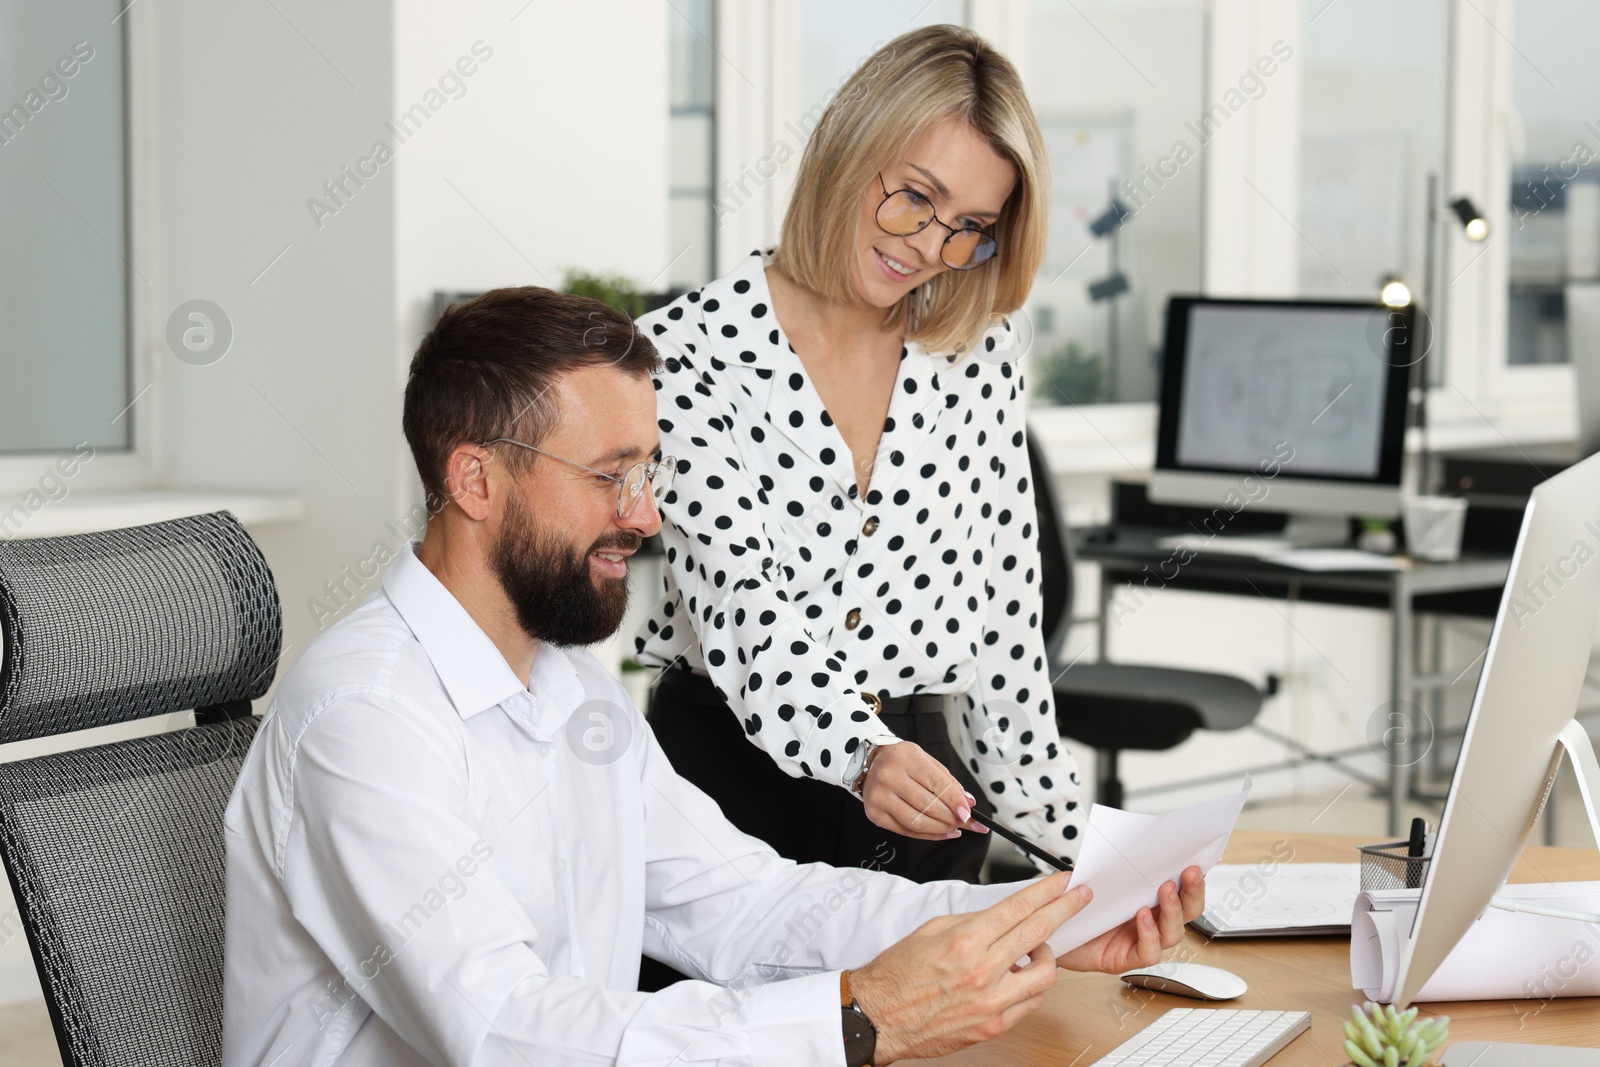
<point x="115" y="853"/>
<point x="107" y="627"/>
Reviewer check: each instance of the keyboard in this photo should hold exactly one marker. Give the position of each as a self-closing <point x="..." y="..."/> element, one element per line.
<point x="1253" y="545"/>
<point x="1209" y="1037"/>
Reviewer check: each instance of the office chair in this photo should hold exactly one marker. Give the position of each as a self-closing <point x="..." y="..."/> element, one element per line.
<point x="1115" y="707"/>
<point x="115" y="853"/>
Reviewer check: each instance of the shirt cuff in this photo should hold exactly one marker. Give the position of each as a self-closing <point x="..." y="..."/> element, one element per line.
<point x="796" y="1022"/>
<point x="872" y="730"/>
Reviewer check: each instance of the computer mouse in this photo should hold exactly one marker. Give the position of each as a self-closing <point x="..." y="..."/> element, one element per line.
<point x="1188" y="980"/>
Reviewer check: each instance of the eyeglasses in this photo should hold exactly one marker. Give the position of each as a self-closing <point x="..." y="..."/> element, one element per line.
<point x="657" y="473"/>
<point x="905" y="212"/>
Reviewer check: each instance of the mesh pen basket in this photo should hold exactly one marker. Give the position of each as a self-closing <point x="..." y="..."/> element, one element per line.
<point x="1388" y="866"/>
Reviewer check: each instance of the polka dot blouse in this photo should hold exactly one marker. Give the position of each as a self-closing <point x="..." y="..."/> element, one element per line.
<point x="795" y="593"/>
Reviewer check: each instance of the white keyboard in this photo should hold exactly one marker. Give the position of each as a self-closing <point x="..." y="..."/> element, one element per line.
<point x="1227" y="544"/>
<point x="1209" y="1037"/>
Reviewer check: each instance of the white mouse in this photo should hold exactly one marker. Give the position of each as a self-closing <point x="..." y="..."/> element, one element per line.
<point x="1188" y="980"/>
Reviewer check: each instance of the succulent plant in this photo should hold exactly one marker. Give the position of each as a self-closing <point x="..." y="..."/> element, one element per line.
<point x="1379" y="1036"/>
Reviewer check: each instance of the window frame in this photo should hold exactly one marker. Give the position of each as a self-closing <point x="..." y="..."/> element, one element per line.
<point x="134" y="466"/>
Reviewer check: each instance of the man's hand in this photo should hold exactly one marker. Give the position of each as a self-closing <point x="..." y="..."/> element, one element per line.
<point x="1140" y="941"/>
<point x="911" y="793"/>
<point x="954" y="981"/>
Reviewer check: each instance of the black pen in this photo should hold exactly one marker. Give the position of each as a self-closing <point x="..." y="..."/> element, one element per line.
<point x="1021" y="842"/>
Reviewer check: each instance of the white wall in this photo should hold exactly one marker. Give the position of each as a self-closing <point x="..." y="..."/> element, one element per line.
<point x="555" y="157"/>
<point x="559" y="155"/>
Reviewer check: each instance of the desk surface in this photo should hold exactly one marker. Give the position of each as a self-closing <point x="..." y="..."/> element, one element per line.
<point x="1136" y="547"/>
<point x="1086" y="1016"/>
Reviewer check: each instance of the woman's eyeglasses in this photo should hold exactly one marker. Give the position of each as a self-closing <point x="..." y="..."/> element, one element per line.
<point x="905" y="212"/>
<point x="657" y="473"/>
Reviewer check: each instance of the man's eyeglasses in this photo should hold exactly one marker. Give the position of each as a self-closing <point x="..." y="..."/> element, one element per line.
<point x="657" y="473"/>
<point x="905" y="212"/>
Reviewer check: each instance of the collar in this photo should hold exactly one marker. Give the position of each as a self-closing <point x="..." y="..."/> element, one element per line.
<point x="720" y="302"/>
<point x="761" y="346"/>
<point x="475" y="675"/>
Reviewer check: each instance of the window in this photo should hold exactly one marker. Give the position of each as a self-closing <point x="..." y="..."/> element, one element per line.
<point x="1372" y="131"/>
<point x="838" y="35"/>
<point x="1116" y="85"/>
<point x="692" y="144"/>
<point x="66" y="275"/>
<point x="1554" y="226"/>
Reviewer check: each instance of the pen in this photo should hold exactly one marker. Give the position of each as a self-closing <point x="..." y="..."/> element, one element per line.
<point x="1415" y="848"/>
<point x="1021" y="842"/>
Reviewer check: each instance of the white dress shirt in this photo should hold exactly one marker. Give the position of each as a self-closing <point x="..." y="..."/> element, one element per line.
<point x="794" y="594"/>
<point x="430" y="862"/>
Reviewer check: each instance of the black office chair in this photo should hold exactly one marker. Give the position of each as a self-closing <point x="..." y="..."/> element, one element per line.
<point x="115" y="853"/>
<point x="1115" y="707"/>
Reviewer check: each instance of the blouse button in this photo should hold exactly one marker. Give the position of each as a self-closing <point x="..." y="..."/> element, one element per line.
<point x="852" y="620"/>
<point x="870" y="527"/>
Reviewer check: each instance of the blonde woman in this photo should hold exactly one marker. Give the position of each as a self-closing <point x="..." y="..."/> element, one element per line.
<point x="850" y="631"/>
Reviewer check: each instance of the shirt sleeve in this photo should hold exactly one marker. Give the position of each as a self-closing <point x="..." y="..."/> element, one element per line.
<point x="1009" y="739"/>
<point x="723" y="906"/>
<point x="379" y="832"/>
<point x="796" y="698"/>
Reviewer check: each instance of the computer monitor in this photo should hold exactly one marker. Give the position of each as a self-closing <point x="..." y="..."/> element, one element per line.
<point x="1306" y="397"/>
<point x="1521" y="722"/>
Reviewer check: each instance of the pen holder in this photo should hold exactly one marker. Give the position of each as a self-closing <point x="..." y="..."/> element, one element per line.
<point x="1387" y="865"/>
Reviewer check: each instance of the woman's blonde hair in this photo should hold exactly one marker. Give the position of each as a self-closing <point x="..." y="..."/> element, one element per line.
<point x="915" y="82"/>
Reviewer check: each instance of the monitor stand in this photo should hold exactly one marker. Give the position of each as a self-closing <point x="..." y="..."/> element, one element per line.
<point x="1481" y="1054"/>
<point x="1573" y="741"/>
<point x="1317" y="531"/>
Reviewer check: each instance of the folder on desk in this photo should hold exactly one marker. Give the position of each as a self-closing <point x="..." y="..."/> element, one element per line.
<point x="1272" y="899"/>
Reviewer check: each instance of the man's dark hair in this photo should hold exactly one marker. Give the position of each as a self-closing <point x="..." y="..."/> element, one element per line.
<point x="484" y="370"/>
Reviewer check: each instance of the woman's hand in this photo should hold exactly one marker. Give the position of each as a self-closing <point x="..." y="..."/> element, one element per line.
<point x="911" y="793"/>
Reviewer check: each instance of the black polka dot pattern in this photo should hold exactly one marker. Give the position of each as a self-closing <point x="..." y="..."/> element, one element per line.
<point x="794" y="592"/>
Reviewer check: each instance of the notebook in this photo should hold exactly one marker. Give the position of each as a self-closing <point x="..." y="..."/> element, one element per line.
<point x="1271" y="899"/>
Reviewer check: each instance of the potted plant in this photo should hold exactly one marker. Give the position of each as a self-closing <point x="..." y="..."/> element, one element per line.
<point x="1379" y="1036"/>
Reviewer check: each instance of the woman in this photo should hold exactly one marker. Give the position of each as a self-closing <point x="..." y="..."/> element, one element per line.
<point x="851" y="554"/>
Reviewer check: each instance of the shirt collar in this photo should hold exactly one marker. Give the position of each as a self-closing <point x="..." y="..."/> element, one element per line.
<point x="475" y="675"/>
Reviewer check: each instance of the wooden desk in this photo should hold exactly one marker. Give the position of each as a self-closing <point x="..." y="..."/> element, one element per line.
<point x="1085" y="1016"/>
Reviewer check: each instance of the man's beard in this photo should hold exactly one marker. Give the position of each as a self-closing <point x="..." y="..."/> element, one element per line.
<point x="549" y="582"/>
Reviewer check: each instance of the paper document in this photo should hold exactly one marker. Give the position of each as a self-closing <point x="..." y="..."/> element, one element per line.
<point x="1504" y="956"/>
<point x="1126" y="856"/>
<point x="1284" y="899"/>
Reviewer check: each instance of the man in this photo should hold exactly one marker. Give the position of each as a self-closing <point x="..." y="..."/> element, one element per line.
<point x="455" y="834"/>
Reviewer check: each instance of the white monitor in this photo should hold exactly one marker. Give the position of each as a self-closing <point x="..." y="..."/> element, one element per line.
<point x="1521" y="721"/>
<point x="1307" y="396"/>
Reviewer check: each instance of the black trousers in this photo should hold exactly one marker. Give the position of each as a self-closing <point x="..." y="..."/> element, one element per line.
<point x="803" y="819"/>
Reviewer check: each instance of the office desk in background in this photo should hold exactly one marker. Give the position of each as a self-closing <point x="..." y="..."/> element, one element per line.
<point x="1470" y="586"/>
<point x="1085" y="1016"/>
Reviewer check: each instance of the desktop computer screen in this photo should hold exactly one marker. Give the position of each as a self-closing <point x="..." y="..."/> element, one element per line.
<point x="1521" y="723"/>
<point x="1311" y="392"/>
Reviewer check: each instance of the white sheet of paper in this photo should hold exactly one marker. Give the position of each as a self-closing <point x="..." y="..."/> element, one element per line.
<point x="1127" y="856"/>
<point x="1241" y="897"/>
<point x="1503" y="956"/>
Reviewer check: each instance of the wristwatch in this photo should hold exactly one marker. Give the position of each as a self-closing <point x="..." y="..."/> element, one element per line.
<point x="860" y="1036"/>
<point x="855" y="770"/>
<point x="860" y="761"/>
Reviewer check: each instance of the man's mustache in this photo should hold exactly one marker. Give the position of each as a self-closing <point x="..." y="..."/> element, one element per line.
<point x="623" y="541"/>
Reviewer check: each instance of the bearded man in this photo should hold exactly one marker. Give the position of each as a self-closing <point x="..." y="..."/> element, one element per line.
<point x="454" y="834"/>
